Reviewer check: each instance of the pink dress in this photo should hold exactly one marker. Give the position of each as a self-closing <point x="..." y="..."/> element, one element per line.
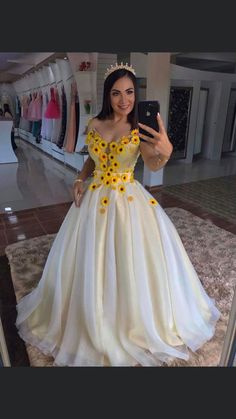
<point x="36" y="108"/>
<point x="53" y="108"/>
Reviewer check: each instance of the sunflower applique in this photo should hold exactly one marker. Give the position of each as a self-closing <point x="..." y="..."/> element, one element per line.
<point x="113" y="146"/>
<point x="134" y="131"/>
<point x="96" y="139"/>
<point x="103" y="166"/>
<point x="121" y="189"/>
<point x="96" y="150"/>
<point x="124" y="177"/>
<point x="103" y="144"/>
<point x="107" y="182"/>
<point x="110" y="169"/>
<point x="89" y="137"/>
<point x="111" y="157"/>
<point x="105" y="201"/>
<point x="114" y="180"/>
<point x="153" y="202"/>
<point x="103" y="156"/>
<point x="124" y="140"/>
<point x="135" y="139"/>
<point x="115" y="164"/>
<point x="120" y="149"/>
<point x="93" y="186"/>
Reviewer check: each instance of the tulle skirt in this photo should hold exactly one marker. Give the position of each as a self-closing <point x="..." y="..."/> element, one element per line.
<point x="118" y="287"/>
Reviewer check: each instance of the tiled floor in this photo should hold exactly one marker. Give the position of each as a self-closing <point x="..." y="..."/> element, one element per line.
<point x="217" y="195"/>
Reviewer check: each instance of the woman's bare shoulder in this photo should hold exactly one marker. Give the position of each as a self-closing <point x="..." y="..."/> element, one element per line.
<point x="93" y="123"/>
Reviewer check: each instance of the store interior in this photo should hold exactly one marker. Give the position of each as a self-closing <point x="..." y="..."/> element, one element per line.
<point x="37" y="174"/>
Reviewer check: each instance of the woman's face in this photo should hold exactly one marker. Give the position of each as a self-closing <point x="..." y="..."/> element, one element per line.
<point x="122" y="96"/>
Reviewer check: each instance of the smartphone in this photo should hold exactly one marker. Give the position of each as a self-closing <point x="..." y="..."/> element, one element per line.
<point x="147" y="115"/>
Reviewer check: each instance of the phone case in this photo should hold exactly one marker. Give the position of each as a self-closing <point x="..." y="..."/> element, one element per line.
<point x="147" y="115"/>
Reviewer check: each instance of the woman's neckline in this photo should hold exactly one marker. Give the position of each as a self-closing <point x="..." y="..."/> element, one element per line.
<point x="112" y="141"/>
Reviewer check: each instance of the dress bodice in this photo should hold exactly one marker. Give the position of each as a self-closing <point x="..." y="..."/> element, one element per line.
<point x="115" y="157"/>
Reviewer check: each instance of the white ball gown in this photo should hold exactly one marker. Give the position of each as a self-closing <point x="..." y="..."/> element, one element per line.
<point x="118" y="288"/>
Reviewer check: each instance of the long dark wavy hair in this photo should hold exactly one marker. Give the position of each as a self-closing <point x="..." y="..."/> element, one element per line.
<point x="107" y="110"/>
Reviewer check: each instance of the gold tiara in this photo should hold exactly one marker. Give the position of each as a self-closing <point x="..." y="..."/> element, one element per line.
<point x="118" y="67"/>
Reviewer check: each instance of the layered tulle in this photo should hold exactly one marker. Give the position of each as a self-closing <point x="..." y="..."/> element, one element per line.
<point x="118" y="287"/>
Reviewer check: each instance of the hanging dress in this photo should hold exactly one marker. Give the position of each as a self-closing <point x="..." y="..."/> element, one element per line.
<point x="70" y="139"/>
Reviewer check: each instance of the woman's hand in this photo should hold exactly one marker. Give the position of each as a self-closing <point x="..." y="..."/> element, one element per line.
<point x="78" y="190"/>
<point x="160" y="142"/>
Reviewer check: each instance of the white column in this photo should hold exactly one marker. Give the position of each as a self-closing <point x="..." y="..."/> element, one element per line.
<point x="158" y="88"/>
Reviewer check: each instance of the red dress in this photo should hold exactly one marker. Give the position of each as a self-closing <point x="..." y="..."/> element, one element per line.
<point x="53" y="108"/>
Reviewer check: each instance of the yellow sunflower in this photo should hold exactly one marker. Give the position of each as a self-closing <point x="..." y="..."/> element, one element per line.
<point x="113" y="146"/>
<point x="114" y="180"/>
<point x="110" y="169"/>
<point x="102" y="177"/>
<point x="124" y="177"/>
<point x="103" y="166"/>
<point x="121" y="189"/>
<point x="135" y="139"/>
<point x="96" y="150"/>
<point x="124" y="140"/>
<point x="104" y="201"/>
<point x="107" y="182"/>
<point x="89" y="137"/>
<point x="96" y="139"/>
<point x="153" y="202"/>
<point x="103" y="144"/>
<point x="115" y="164"/>
<point x="111" y="157"/>
<point x="103" y="156"/>
<point x="108" y="174"/>
<point x="120" y="149"/>
<point x="90" y="134"/>
<point x="134" y="131"/>
<point x="93" y="186"/>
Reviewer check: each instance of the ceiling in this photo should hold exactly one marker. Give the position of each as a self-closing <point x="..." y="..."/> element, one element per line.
<point x="223" y="62"/>
<point x="14" y="65"/>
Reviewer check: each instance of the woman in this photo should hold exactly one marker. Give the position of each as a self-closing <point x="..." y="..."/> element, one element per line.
<point x="7" y="114"/>
<point x="118" y="288"/>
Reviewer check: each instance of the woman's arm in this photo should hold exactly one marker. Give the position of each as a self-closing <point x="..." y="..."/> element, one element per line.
<point x="155" y="151"/>
<point x="87" y="169"/>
